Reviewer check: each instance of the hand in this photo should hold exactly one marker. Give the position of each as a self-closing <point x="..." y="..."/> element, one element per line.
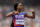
<point x="17" y="13"/>
<point x="14" y="12"/>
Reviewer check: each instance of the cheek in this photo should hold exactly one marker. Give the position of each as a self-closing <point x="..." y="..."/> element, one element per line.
<point x="20" y="6"/>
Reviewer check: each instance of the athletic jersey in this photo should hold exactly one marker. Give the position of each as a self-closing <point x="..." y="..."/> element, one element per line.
<point x="18" y="20"/>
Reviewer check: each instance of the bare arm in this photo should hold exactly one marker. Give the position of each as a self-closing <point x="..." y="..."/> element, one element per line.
<point x="29" y="16"/>
<point x="10" y="14"/>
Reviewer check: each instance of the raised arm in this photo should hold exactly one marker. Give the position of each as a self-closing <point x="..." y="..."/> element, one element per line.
<point x="10" y="14"/>
<point x="29" y="16"/>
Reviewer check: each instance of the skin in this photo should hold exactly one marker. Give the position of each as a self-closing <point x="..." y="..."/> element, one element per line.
<point x="19" y="8"/>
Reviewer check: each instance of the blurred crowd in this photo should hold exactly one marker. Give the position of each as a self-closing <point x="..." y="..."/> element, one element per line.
<point x="6" y="6"/>
<point x="6" y="21"/>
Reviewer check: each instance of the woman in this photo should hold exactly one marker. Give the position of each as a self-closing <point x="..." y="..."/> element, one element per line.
<point x="18" y="17"/>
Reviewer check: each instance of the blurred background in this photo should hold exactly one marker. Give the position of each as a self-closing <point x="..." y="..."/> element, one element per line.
<point x="7" y="6"/>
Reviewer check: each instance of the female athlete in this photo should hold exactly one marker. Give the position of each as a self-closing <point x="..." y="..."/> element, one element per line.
<point x="18" y="16"/>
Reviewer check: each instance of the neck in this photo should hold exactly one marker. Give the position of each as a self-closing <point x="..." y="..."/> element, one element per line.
<point x="19" y="11"/>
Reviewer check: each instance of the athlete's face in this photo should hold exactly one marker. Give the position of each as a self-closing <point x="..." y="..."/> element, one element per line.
<point x="19" y="6"/>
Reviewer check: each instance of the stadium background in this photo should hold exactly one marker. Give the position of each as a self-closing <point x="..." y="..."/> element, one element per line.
<point x="6" y="6"/>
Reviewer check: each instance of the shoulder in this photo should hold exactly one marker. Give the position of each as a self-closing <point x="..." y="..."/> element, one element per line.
<point x="24" y="12"/>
